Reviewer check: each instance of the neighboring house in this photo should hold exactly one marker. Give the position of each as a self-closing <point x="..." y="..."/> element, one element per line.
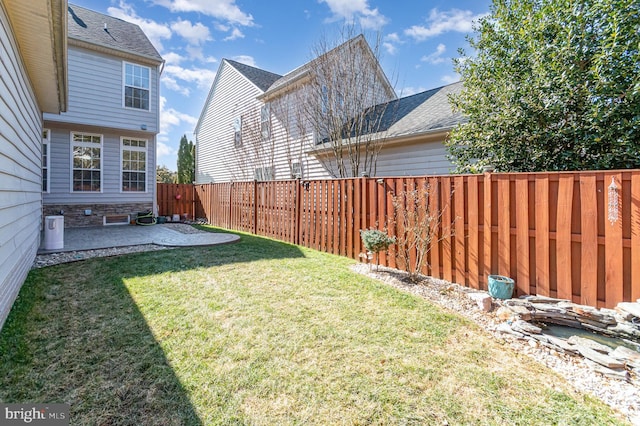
<point x="99" y="157"/>
<point x="32" y="81"/>
<point x="232" y="101"/>
<point x="252" y="125"/>
<point x="412" y="131"/>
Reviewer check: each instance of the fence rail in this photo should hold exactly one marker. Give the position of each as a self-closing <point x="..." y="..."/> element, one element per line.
<point x="568" y="235"/>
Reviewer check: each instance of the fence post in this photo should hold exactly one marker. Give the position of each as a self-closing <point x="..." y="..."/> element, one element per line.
<point x="296" y="212"/>
<point x="487" y="230"/>
<point x="255" y="207"/>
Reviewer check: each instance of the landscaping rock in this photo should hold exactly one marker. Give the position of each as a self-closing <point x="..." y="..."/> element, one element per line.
<point x="483" y="300"/>
<point x="632" y="308"/>
<point x="588" y="343"/>
<point x="504" y="313"/>
<point x="630" y="357"/>
<point x="601" y="359"/>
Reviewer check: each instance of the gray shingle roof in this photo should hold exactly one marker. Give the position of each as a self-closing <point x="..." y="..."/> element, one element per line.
<point x="96" y="28"/>
<point x="307" y="68"/>
<point x="261" y="78"/>
<point x="420" y="113"/>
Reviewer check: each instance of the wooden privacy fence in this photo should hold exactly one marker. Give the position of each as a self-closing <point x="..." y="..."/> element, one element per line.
<point x="176" y="198"/>
<point x="573" y="235"/>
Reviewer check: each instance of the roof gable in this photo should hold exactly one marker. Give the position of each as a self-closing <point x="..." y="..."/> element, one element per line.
<point x="88" y="26"/>
<point x="301" y="72"/>
<point x="260" y="78"/>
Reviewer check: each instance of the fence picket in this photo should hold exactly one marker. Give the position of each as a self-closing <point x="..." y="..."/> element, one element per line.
<point x="613" y="240"/>
<point x="503" y="224"/>
<point x="473" y="232"/>
<point x="635" y="237"/>
<point x="563" y="236"/>
<point x="523" y="277"/>
<point x="542" y="234"/>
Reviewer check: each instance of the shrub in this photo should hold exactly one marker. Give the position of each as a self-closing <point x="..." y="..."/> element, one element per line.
<point x="376" y="241"/>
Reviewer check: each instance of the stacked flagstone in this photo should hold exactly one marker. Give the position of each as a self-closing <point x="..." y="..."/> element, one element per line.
<point x="623" y="323"/>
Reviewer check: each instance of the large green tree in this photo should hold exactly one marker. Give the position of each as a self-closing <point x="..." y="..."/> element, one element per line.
<point x="554" y="85"/>
<point x="164" y="175"/>
<point x="186" y="161"/>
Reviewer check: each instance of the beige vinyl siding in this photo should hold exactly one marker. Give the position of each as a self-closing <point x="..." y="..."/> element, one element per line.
<point x="96" y="94"/>
<point x="60" y="171"/>
<point x="20" y="173"/>
<point x="417" y="159"/>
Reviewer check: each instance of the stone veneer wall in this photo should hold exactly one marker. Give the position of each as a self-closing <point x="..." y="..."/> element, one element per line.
<point x="74" y="216"/>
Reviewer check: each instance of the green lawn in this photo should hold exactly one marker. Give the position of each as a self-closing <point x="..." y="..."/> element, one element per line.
<point x="261" y="332"/>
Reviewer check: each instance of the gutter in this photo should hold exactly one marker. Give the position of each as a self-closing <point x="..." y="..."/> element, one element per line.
<point x="432" y="135"/>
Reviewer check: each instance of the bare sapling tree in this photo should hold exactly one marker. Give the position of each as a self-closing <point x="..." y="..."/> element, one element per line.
<point x="417" y="216"/>
<point x="346" y="104"/>
<point x="292" y="129"/>
<point x="253" y="153"/>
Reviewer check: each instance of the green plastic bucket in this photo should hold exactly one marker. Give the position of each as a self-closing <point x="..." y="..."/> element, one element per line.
<point x="501" y="287"/>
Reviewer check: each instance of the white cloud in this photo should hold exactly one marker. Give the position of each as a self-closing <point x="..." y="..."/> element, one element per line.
<point x="197" y="53"/>
<point x="451" y="78"/>
<point x="390" y="43"/>
<point x="435" y="57"/>
<point x="194" y="34"/>
<point x="226" y="10"/>
<point x="164" y="150"/>
<point x="155" y="31"/>
<point x="170" y="118"/>
<point x="455" y="20"/>
<point x="410" y="90"/>
<point x="202" y="77"/>
<point x="390" y="48"/>
<point x="172" y="84"/>
<point x="356" y="10"/>
<point x="235" y="34"/>
<point x="245" y="59"/>
<point x="392" y="37"/>
<point x="173" y="58"/>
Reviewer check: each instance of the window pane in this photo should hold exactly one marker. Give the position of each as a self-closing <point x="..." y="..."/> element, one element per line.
<point x="86" y="162"/>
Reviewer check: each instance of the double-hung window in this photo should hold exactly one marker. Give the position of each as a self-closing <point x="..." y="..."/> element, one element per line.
<point x="264" y="173"/>
<point x="134" y="165"/>
<point x="136" y="86"/>
<point x="86" y="162"/>
<point x="237" y="132"/>
<point x="265" y="122"/>
<point x="46" y="156"/>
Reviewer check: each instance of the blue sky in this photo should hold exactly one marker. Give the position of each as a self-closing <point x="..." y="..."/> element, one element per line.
<point x="419" y="39"/>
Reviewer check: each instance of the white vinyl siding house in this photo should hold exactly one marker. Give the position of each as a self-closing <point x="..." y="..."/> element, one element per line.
<point x="231" y="102"/>
<point x="114" y="81"/>
<point x="255" y="124"/>
<point x="30" y="83"/>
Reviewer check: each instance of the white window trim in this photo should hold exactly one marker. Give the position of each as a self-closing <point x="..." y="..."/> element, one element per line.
<point x="46" y="145"/>
<point x="124" y="84"/>
<point x="146" y="171"/>
<point x="265" y="122"/>
<point x="264" y="174"/>
<point x="72" y="144"/>
<point x="237" y="131"/>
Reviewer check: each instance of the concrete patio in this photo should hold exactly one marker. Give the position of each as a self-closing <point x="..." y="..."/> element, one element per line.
<point x="102" y="237"/>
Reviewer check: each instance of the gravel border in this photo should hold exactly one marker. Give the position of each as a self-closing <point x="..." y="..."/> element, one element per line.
<point x="51" y="259"/>
<point x="623" y="397"/>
